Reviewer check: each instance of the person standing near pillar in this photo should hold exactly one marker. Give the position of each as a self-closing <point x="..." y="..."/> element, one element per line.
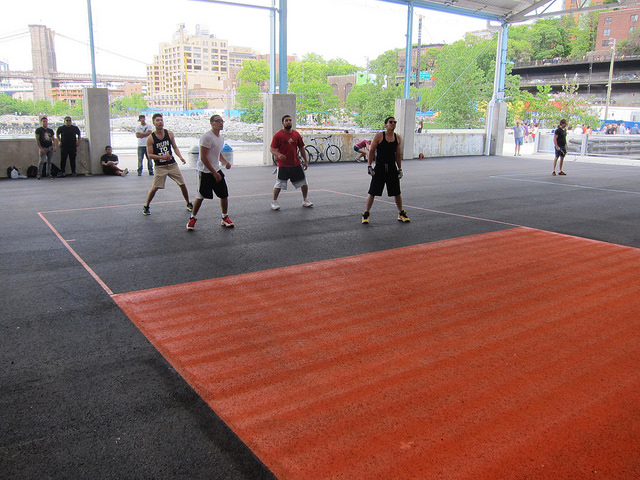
<point x="47" y="144"/>
<point x="143" y="130"/>
<point x="518" y="136"/>
<point x="159" y="149"/>
<point x="285" y="146"/>
<point x="69" y="139"/>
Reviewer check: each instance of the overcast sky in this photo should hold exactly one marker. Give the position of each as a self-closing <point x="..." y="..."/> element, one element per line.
<point x="127" y="32"/>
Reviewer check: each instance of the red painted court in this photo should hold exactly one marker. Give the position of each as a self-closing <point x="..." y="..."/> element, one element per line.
<point x="507" y="355"/>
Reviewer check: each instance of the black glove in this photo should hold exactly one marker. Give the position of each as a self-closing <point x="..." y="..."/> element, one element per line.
<point x="399" y="173"/>
<point x="371" y="171"/>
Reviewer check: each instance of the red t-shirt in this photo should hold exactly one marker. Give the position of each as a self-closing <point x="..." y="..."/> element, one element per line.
<point x="287" y="144"/>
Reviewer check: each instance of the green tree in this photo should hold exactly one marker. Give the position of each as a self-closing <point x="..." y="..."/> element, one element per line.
<point x="125" y="105"/>
<point x="254" y="72"/>
<point x="202" y="103"/>
<point x="631" y="46"/>
<point x="314" y="98"/>
<point x="519" y="48"/>
<point x="386" y="65"/>
<point x="567" y="104"/>
<point x="461" y="85"/>
<point x="8" y="105"/>
<point x="550" y="38"/>
<point x="249" y="101"/>
<point x="584" y="34"/>
<point x="372" y="103"/>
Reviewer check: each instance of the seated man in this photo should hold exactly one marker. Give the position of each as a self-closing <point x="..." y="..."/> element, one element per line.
<point x="109" y="163"/>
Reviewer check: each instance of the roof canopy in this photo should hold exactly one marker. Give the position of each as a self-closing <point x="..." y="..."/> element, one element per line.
<point x="508" y="11"/>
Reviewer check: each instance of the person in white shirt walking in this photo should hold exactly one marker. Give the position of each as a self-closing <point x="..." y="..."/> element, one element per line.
<point x="210" y="179"/>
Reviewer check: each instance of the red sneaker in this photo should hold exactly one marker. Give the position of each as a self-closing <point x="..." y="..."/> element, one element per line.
<point x="192" y="223"/>
<point x="226" y="222"/>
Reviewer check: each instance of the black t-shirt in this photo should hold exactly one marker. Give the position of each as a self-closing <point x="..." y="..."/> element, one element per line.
<point x="109" y="158"/>
<point x="45" y="136"/>
<point x="562" y="137"/>
<point x="162" y="147"/>
<point x="69" y="135"/>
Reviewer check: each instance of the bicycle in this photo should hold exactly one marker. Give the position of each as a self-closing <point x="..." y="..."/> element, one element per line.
<point x="318" y="151"/>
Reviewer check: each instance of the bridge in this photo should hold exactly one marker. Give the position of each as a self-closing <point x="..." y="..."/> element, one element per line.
<point x="591" y="73"/>
<point x="58" y="77"/>
<point x="45" y="75"/>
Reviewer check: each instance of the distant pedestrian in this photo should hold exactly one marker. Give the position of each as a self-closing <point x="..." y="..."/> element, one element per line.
<point x="109" y="163"/>
<point x="143" y="130"/>
<point x="69" y="138"/>
<point x="47" y="144"/>
<point x="560" y="143"/>
<point x="419" y="127"/>
<point x="518" y="136"/>
<point x="210" y="178"/>
<point x="285" y="146"/>
<point x="159" y="149"/>
<point x="635" y="130"/>
<point x="386" y="151"/>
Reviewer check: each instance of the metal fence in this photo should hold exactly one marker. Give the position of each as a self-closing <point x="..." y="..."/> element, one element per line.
<point x="594" y="145"/>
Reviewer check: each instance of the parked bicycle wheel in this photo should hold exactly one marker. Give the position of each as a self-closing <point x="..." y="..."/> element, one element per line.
<point x="333" y="153"/>
<point x="312" y="153"/>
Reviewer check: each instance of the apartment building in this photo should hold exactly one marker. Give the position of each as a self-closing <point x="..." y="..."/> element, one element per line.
<point x="194" y="67"/>
<point x="616" y="24"/>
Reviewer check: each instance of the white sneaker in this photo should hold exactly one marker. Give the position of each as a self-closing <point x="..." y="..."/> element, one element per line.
<point x="125" y="171"/>
<point x="307" y="203"/>
<point x="275" y="206"/>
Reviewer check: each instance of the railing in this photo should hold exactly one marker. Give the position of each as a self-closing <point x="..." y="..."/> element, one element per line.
<point x="594" y="145"/>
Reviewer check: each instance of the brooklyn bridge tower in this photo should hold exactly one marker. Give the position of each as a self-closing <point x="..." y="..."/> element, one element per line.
<point x="43" y="55"/>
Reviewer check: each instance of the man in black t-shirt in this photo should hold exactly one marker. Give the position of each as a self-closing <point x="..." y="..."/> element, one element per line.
<point x="47" y="144"/>
<point x="69" y="138"/>
<point x="109" y="163"/>
<point x="560" y="142"/>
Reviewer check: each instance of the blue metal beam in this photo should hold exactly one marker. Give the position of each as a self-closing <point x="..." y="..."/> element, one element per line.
<point x="408" y="50"/>
<point x="282" y="70"/>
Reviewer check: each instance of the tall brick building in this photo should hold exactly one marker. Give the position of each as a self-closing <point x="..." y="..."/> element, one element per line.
<point x="618" y="25"/>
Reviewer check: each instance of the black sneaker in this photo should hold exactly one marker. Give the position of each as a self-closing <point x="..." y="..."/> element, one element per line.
<point x="190" y="206"/>
<point x="145" y="210"/>
<point x="402" y="216"/>
<point x="365" y="217"/>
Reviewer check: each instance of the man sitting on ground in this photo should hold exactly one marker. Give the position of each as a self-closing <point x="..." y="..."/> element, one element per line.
<point x="109" y="163"/>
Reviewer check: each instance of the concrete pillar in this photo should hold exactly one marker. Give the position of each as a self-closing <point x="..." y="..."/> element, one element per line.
<point x="96" y="121"/>
<point x="498" y="119"/>
<point x="275" y="106"/>
<point x="405" y="114"/>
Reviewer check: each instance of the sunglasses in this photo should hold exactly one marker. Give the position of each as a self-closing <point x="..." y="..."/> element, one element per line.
<point x="392" y="121"/>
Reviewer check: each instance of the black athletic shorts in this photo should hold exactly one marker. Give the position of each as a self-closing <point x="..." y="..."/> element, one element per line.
<point x="295" y="174"/>
<point x="207" y="185"/>
<point x="385" y="176"/>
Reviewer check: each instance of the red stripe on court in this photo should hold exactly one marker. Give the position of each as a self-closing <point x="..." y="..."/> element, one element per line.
<point x="509" y="355"/>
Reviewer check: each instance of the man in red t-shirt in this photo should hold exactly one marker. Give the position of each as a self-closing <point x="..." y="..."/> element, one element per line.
<point x="285" y="146"/>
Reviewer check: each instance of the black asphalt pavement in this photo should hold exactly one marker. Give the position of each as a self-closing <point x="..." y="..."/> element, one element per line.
<point x="84" y="395"/>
